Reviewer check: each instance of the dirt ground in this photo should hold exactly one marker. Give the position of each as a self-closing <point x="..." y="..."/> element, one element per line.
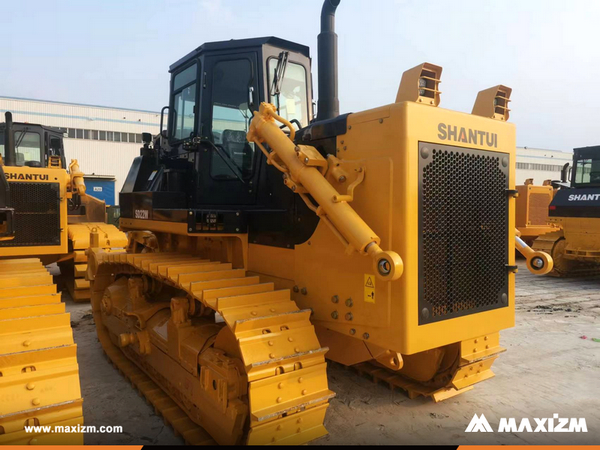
<point x="548" y="368"/>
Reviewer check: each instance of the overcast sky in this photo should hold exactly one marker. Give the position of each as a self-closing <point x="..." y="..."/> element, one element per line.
<point x="117" y="53"/>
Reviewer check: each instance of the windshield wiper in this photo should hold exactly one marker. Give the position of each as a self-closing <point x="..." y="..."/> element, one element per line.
<point x="278" y="76"/>
<point x="20" y="138"/>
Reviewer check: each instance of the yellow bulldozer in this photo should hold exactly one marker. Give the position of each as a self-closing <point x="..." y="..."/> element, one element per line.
<point x="263" y="240"/>
<point x="574" y="212"/>
<point x="43" y="210"/>
<point x="43" y="232"/>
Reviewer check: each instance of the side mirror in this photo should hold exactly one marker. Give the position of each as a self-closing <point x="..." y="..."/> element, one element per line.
<point x="147" y="138"/>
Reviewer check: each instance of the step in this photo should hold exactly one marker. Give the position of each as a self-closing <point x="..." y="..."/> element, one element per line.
<point x="288" y="431"/>
<point x="292" y="341"/>
<point x="17" y="267"/>
<point x="253" y="299"/>
<point x="52" y="374"/>
<point x="26" y="280"/>
<point x="80" y="256"/>
<point x="145" y="263"/>
<point x="57" y="415"/>
<point x="174" y="271"/>
<point x="187" y="279"/>
<point x="29" y="300"/>
<point x="80" y="270"/>
<point x="198" y="288"/>
<point x="241" y="313"/>
<point x="271" y="323"/>
<point x="15" y="271"/>
<point x="155" y="267"/>
<point x="81" y="283"/>
<point x="11" y="262"/>
<point x="82" y="295"/>
<point x="287" y="393"/>
<point x="32" y="333"/>
<point x="27" y="291"/>
<point x="31" y="311"/>
<point x="210" y="296"/>
<point x="135" y="258"/>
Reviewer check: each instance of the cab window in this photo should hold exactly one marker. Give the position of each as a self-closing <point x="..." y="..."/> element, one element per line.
<point x="184" y="103"/>
<point x="28" y="148"/>
<point x="55" y="147"/>
<point x="231" y="91"/>
<point x="587" y="171"/>
<point x="292" y="101"/>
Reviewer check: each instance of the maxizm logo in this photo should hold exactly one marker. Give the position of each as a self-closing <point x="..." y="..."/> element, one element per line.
<point x="544" y="425"/>
<point x="27" y="176"/>
<point x="447" y="132"/>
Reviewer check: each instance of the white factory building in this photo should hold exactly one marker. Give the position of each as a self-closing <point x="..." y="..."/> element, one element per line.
<point x="104" y="140"/>
<point x="540" y="164"/>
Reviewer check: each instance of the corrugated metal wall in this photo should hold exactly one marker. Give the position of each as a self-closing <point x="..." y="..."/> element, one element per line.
<point x="540" y="164"/>
<point x="95" y="156"/>
<point x="101" y="188"/>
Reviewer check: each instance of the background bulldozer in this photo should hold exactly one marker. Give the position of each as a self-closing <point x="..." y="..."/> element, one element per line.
<point x="45" y="217"/>
<point x="575" y="210"/>
<point x="263" y="239"/>
<point x="41" y="229"/>
<point x="39" y="375"/>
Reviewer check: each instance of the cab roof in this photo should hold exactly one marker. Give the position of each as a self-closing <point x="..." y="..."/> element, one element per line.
<point x="32" y="125"/>
<point x="241" y="43"/>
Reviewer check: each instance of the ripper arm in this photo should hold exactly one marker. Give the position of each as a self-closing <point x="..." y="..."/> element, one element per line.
<point x="538" y="263"/>
<point x="304" y="173"/>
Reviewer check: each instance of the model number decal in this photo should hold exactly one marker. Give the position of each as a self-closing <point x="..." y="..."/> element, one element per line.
<point x="141" y="214"/>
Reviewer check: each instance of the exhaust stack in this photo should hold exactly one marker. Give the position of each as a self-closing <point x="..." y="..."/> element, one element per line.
<point x="328" y="103"/>
<point x="10" y="157"/>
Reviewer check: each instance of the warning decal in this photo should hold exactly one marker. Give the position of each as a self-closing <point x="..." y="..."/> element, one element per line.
<point x="369" y="286"/>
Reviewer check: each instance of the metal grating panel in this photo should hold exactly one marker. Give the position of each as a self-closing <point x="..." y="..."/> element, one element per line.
<point x="538" y="209"/>
<point x="37" y="214"/>
<point x="463" y="231"/>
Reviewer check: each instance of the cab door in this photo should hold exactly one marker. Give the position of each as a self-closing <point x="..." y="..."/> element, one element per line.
<point x="229" y="168"/>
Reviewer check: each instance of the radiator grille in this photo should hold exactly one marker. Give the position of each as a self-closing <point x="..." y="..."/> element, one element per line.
<point x="463" y="224"/>
<point x="37" y="214"/>
<point x="538" y="209"/>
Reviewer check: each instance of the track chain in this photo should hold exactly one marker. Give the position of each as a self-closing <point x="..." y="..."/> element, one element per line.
<point x="39" y="374"/>
<point x="285" y="366"/>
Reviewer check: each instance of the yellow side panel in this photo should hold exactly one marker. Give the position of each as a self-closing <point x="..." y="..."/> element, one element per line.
<point x="40" y="175"/>
<point x="386" y="140"/>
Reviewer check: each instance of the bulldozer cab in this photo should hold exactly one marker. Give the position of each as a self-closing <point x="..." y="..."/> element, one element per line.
<point x="586" y="167"/>
<point x="215" y="90"/>
<point x="35" y="145"/>
<point x="579" y="193"/>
